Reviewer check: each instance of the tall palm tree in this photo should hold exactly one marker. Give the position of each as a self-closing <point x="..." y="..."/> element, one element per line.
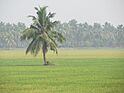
<point x="42" y="33"/>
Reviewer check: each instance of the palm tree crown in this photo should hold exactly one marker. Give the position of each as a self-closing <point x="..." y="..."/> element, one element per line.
<point x="42" y="33"/>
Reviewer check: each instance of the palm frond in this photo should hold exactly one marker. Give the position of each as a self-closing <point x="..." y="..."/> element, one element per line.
<point x="30" y="46"/>
<point x="28" y="34"/>
<point x="58" y="36"/>
<point x="33" y="17"/>
<point x="51" y="38"/>
<point x="36" y="8"/>
<point x="51" y="15"/>
<point x="34" y="47"/>
<point x="53" y="46"/>
<point x="34" y="27"/>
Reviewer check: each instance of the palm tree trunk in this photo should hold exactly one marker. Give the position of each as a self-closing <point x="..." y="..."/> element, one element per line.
<point x="44" y="58"/>
<point x="44" y="54"/>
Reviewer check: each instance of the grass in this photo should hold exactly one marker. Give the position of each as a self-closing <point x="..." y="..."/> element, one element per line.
<point x="71" y="71"/>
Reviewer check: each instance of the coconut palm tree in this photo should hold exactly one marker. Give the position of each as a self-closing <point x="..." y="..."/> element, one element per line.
<point x="41" y="33"/>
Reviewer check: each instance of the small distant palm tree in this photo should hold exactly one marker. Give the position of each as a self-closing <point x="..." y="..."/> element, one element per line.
<point x="42" y="33"/>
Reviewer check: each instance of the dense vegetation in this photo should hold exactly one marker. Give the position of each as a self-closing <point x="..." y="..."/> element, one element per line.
<point x="77" y="35"/>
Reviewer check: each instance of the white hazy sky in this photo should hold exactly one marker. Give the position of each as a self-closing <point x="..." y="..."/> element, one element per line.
<point x="90" y="11"/>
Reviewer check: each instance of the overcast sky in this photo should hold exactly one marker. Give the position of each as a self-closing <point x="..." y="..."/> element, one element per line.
<point x="90" y="11"/>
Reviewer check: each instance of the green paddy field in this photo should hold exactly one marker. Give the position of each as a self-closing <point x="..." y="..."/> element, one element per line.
<point x="71" y="71"/>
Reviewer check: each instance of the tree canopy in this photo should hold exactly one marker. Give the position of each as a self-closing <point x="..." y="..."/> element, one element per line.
<point x="77" y="35"/>
<point x="41" y="33"/>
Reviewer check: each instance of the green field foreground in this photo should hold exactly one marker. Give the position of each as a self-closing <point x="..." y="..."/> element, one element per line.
<point x="71" y="71"/>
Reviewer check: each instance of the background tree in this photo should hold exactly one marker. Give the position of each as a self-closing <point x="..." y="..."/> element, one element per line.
<point x="78" y="35"/>
<point x="42" y="33"/>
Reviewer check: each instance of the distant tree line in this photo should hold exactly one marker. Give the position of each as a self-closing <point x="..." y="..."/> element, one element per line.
<point x="10" y="35"/>
<point x="78" y="35"/>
